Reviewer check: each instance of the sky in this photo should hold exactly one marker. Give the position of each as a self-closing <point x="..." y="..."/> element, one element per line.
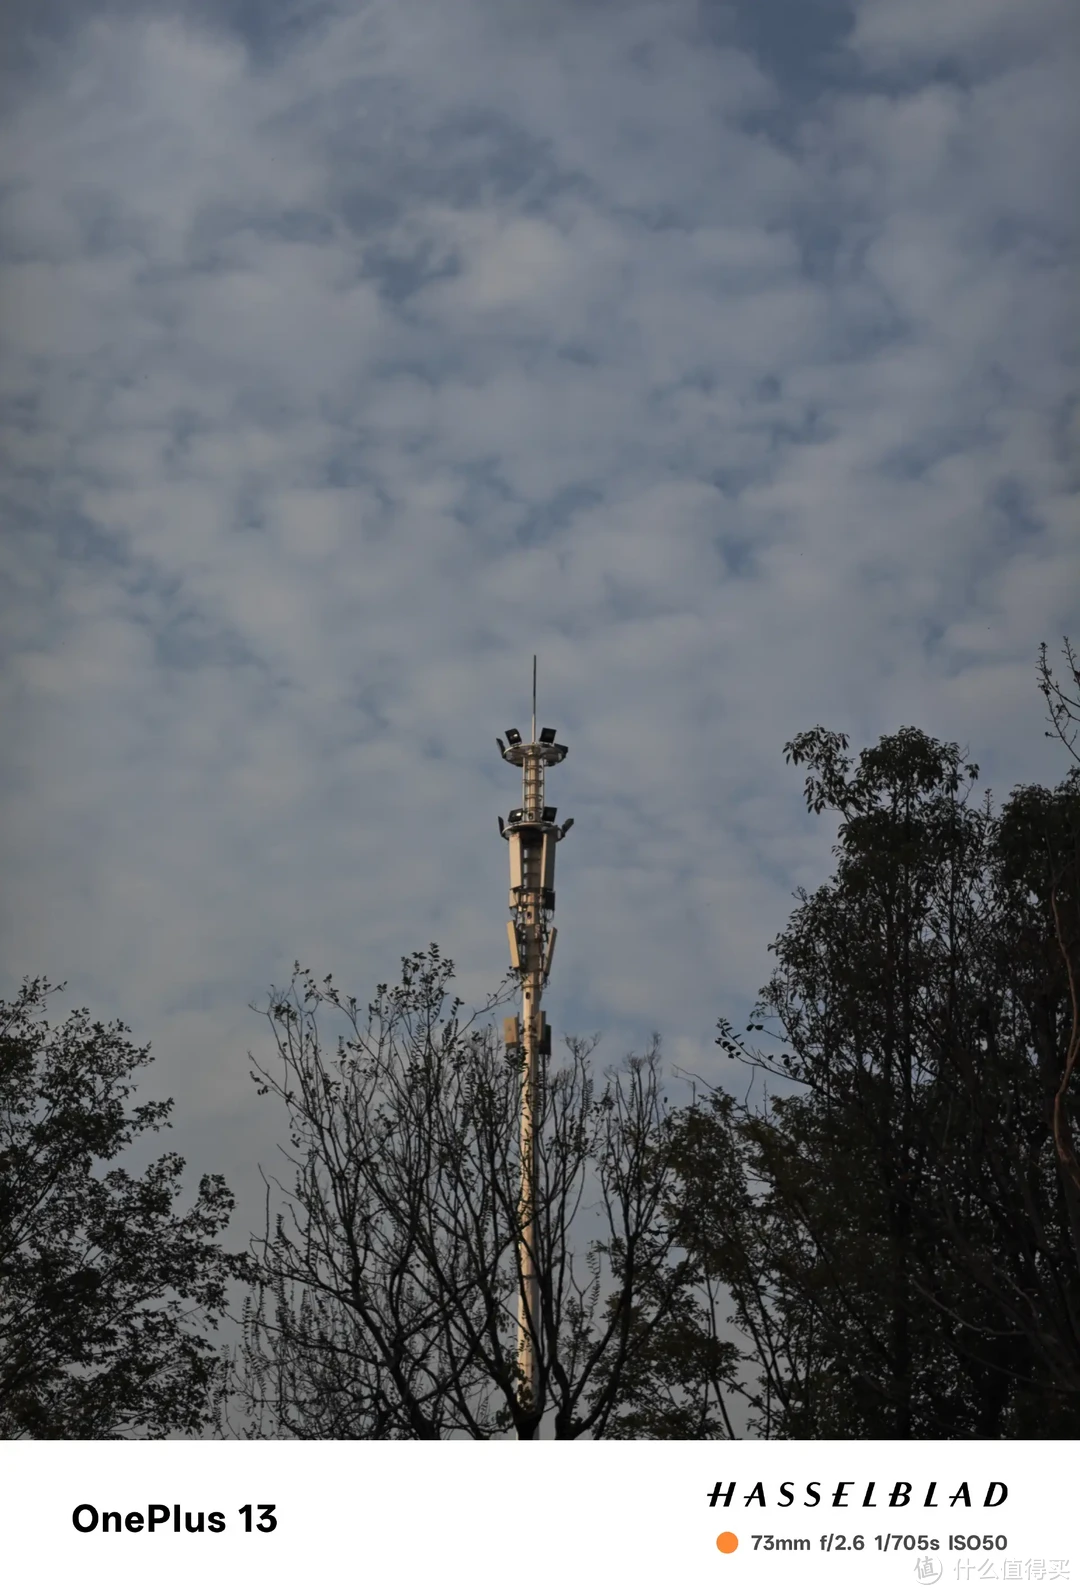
<point x="723" y="356"/>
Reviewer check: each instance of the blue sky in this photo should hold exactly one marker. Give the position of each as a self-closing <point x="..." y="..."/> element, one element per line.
<point x="724" y="356"/>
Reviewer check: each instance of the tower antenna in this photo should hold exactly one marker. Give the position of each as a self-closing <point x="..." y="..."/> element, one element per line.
<point x="532" y="835"/>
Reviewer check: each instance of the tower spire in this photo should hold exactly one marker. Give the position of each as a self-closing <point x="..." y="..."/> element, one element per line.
<point x="532" y="836"/>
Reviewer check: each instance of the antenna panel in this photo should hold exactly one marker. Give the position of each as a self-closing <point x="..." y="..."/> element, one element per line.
<point x="515" y="860"/>
<point x="547" y="861"/>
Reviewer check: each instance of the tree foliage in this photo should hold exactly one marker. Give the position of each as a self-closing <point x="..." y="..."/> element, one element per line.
<point x="105" y="1290"/>
<point x="897" y="1223"/>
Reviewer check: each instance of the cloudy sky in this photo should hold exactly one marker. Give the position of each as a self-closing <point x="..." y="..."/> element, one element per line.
<point x="725" y="356"/>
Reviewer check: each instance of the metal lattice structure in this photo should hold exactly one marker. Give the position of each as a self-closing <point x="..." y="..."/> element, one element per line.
<point x="532" y="835"/>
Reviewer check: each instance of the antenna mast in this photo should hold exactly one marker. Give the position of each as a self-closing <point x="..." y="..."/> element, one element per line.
<point x="532" y="834"/>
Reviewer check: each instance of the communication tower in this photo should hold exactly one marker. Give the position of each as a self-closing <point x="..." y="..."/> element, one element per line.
<point x="533" y="835"/>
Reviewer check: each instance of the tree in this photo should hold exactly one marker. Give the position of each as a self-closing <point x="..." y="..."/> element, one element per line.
<point x="896" y="1225"/>
<point x="1036" y="868"/>
<point x="1064" y="709"/>
<point x="1064" y="717"/>
<point x="388" y="1284"/>
<point x="104" y="1289"/>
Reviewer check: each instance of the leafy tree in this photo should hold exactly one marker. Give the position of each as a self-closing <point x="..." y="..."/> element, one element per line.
<point x="896" y="1225"/>
<point x="388" y="1283"/>
<point x="104" y="1289"/>
<point x="1064" y="717"/>
<point x="1036" y="1179"/>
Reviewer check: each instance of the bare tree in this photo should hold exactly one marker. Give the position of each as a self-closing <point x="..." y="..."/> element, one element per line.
<point x="1064" y="709"/>
<point x="388" y="1288"/>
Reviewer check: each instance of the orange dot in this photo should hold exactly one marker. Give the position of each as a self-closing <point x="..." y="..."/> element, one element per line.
<point x="727" y="1542"/>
